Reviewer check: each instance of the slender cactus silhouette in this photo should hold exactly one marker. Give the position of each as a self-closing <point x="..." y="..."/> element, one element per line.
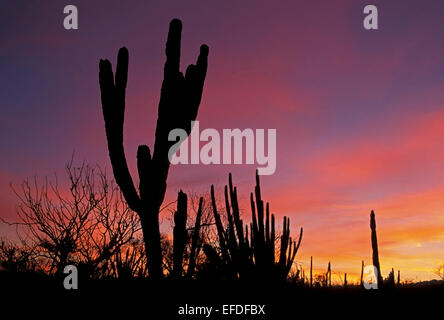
<point x="179" y="234"/>
<point x="328" y="275"/>
<point x="311" y="271"/>
<point x="196" y="241"/>
<point x="375" y="248"/>
<point x="179" y="103"/>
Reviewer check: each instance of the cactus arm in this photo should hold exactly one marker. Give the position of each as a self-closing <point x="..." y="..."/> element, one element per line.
<point x="254" y="227"/>
<point x="113" y="108"/>
<point x="231" y="239"/>
<point x="260" y="213"/>
<point x="284" y="243"/>
<point x="273" y="238"/>
<point x="296" y="248"/>
<point x="220" y="228"/>
<point x="143" y="168"/>
<point x="300" y="239"/>
<point x="236" y="215"/>
<point x="267" y="223"/>
<point x="195" y="242"/>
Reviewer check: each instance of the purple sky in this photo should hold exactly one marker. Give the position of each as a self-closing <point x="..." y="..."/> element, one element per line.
<point x="358" y="113"/>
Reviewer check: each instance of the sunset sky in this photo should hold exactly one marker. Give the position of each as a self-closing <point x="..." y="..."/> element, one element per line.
<point x="359" y="114"/>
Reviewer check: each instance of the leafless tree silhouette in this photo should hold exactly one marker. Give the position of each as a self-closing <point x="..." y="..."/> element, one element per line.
<point x="87" y="222"/>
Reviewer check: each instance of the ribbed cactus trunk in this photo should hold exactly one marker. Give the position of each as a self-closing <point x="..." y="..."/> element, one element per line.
<point x="151" y="236"/>
<point x="375" y="248"/>
<point x="179" y="102"/>
<point x="179" y="234"/>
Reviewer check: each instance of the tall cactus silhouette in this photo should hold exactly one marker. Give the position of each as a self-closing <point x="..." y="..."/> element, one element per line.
<point x="375" y="248"/>
<point x="179" y="103"/>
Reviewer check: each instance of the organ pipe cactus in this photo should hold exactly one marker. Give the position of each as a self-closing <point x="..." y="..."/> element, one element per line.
<point x="390" y="280"/>
<point x="180" y="98"/>
<point x="251" y="251"/>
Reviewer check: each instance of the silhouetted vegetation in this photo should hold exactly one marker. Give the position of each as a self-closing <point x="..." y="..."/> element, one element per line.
<point x="86" y="223"/>
<point x="249" y="252"/>
<point x="375" y="248"/>
<point x="179" y="103"/>
<point x="111" y="230"/>
<point x="17" y="258"/>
